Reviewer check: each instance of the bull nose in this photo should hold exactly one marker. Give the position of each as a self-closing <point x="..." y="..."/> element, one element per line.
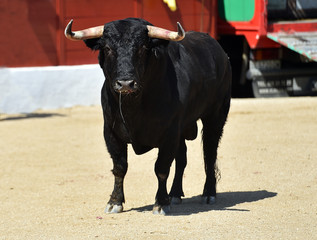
<point x="126" y="86"/>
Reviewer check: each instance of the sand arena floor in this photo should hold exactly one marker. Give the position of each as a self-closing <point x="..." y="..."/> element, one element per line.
<point x="55" y="178"/>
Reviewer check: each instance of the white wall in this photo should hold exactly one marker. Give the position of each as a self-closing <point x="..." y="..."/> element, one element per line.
<point x="24" y="90"/>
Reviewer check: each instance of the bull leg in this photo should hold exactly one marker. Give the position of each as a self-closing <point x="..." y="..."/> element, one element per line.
<point x="181" y="161"/>
<point x="212" y="132"/>
<point x="118" y="152"/>
<point x="117" y="197"/>
<point x="210" y="145"/>
<point x="162" y="169"/>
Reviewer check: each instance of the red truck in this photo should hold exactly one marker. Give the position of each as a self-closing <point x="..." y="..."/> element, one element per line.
<point x="272" y="44"/>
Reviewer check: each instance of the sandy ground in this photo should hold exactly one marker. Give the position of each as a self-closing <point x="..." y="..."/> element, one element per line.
<point x="55" y="178"/>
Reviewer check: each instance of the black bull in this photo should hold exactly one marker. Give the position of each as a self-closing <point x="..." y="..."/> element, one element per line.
<point x="154" y="92"/>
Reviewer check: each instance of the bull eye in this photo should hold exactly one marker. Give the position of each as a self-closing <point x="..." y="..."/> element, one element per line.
<point x="142" y="50"/>
<point x="107" y="50"/>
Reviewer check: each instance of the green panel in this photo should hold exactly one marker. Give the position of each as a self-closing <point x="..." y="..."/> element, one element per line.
<point x="236" y="10"/>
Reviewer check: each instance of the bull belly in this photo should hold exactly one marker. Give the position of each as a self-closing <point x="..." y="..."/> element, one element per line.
<point x="140" y="149"/>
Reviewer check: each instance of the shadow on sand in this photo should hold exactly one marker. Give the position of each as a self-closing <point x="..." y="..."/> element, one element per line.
<point x="225" y="202"/>
<point x="31" y="115"/>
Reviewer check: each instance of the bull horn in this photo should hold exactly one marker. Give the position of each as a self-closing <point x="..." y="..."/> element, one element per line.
<point x="94" y="32"/>
<point x="156" y="32"/>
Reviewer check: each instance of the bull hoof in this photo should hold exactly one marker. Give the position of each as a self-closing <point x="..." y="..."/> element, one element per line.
<point x="176" y="200"/>
<point x="161" y="210"/>
<point x="113" y="208"/>
<point x="208" y="200"/>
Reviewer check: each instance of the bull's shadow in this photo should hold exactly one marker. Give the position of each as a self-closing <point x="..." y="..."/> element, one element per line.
<point x="225" y="202"/>
<point x="31" y="115"/>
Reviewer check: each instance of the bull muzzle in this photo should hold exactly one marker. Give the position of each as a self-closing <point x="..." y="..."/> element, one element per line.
<point x="125" y="86"/>
<point x="96" y="32"/>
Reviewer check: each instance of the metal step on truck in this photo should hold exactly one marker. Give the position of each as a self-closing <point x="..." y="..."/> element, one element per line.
<point x="272" y="46"/>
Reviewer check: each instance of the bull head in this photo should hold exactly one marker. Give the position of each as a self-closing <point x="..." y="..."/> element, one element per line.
<point x="121" y="63"/>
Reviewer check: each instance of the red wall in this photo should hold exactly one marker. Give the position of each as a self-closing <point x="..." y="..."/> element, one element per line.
<point x="28" y="33"/>
<point x="35" y="27"/>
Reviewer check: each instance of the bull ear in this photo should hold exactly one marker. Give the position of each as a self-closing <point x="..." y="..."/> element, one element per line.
<point x="158" y="42"/>
<point x="93" y="43"/>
